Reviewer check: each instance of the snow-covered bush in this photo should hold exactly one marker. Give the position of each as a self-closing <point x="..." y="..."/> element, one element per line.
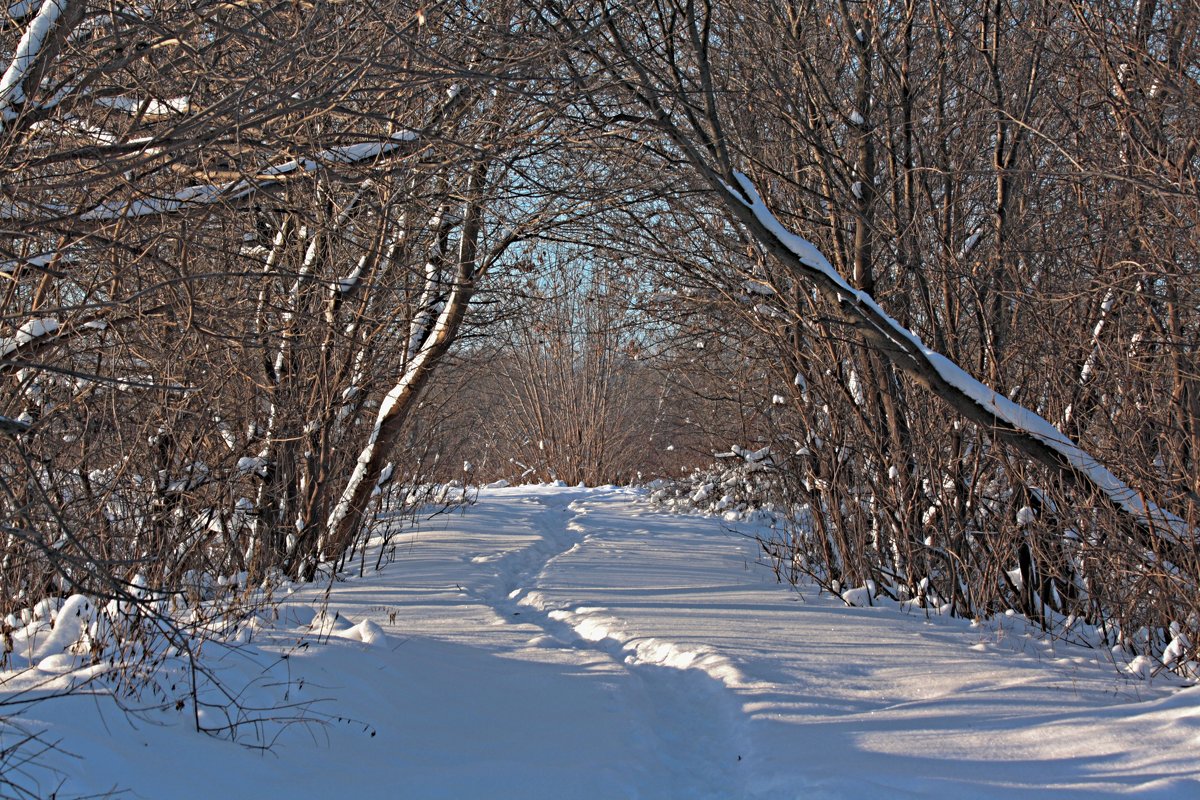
<point x="741" y="481"/>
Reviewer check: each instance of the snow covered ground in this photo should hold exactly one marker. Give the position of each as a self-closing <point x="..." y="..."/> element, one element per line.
<point x="555" y="642"/>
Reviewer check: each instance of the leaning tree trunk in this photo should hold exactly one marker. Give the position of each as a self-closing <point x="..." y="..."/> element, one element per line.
<point x="430" y="346"/>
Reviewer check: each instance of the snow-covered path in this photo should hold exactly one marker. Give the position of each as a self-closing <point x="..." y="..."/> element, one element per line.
<point x="554" y="642"/>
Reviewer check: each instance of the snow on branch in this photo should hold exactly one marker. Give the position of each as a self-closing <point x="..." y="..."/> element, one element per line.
<point x="12" y="85"/>
<point x="32" y="331"/>
<point x="150" y="107"/>
<point x="951" y="382"/>
<point x="398" y="397"/>
<point x="36" y="334"/>
<point x="40" y="262"/>
<point x="204" y="194"/>
<point x="21" y="9"/>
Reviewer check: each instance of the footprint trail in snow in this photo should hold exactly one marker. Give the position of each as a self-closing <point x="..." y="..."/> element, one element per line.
<point x="559" y="642"/>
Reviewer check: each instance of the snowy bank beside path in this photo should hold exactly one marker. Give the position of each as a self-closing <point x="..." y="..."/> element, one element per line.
<point x="555" y="642"/>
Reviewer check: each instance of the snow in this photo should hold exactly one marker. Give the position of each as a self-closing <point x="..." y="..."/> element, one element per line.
<point x="753" y="287"/>
<point x="253" y="464"/>
<point x="153" y="107"/>
<point x="28" y="332"/>
<point x="350" y="282"/>
<point x="202" y="194"/>
<point x="12" y="265"/>
<point x="20" y="9"/>
<point x="1089" y="366"/>
<point x="970" y="243"/>
<point x="26" y="55"/>
<point x="562" y="642"/>
<point x="856" y="389"/>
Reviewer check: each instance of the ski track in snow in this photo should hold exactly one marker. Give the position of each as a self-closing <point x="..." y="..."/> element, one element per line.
<point x="558" y="642"/>
<point x="818" y="718"/>
<point x="522" y="573"/>
<point x="674" y="678"/>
